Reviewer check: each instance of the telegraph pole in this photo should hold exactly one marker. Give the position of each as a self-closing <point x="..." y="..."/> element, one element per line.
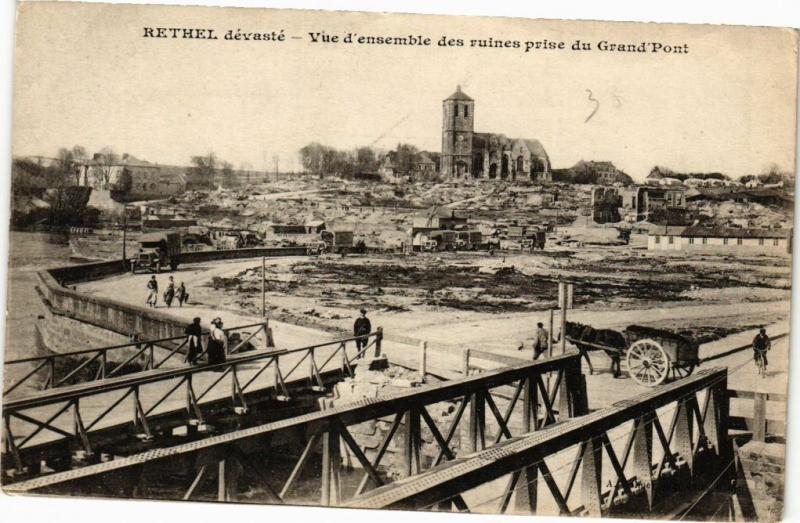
<point x="263" y="287"/>
<point x="124" y="234"/>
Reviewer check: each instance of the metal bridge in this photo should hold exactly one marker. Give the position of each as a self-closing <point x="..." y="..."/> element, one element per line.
<point x="49" y="424"/>
<point x="516" y="439"/>
<point x="64" y="368"/>
<point x="535" y="404"/>
<point x="696" y="455"/>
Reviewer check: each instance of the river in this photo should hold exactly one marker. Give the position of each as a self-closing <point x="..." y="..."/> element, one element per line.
<point x="28" y="252"/>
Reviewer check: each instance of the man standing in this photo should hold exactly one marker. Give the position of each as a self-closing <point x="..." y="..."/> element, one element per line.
<point x="362" y="327"/>
<point x="152" y="289"/>
<point x="761" y="344"/>
<point x="540" y="344"/>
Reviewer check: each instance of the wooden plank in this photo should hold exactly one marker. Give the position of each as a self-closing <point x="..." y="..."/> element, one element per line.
<point x="497" y="358"/>
<point x="749" y="394"/>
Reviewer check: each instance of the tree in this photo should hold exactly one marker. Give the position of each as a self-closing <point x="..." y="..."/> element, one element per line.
<point x="405" y="158"/>
<point x="276" y="162"/>
<point x="774" y="174"/>
<point x="78" y="157"/>
<point x="104" y="162"/>
<point x="366" y="160"/>
<point x="313" y="157"/>
<point x="227" y="170"/>
<point x="663" y="171"/>
<point x="203" y="169"/>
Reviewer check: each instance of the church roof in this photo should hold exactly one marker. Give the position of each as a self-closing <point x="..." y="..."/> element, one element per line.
<point x="482" y="141"/>
<point x="459" y="95"/>
<point x="535" y="147"/>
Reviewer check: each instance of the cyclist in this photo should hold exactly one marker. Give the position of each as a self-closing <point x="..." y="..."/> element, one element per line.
<point x="761" y="345"/>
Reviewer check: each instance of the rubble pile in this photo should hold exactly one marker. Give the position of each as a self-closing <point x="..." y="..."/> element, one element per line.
<point x="743" y="214"/>
<point x="369" y="383"/>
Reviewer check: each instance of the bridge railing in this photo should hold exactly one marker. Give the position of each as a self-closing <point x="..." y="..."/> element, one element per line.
<point x="696" y="454"/>
<point x="760" y="421"/>
<point x="329" y="431"/>
<point x="73" y="399"/>
<point x="106" y="362"/>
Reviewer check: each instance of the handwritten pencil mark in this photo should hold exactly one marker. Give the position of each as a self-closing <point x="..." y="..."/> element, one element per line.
<point x="596" y="107"/>
<point x="390" y="129"/>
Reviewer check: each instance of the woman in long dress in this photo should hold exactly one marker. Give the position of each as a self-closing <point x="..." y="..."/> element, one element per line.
<point x="195" y="341"/>
<point x="217" y="343"/>
<point x="182" y="295"/>
<point x="169" y="294"/>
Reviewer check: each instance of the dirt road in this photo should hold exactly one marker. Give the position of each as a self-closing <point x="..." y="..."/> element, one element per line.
<point x="447" y="328"/>
<point x="447" y="332"/>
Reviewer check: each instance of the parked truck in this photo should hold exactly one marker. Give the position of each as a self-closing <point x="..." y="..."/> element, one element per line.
<point x="337" y="241"/>
<point x="468" y="240"/>
<point x="534" y="239"/>
<point x="157" y="250"/>
<point x="332" y="241"/>
<point x="445" y="240"/>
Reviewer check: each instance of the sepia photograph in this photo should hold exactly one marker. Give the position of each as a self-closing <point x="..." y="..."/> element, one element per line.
<point x="432" y="263"/>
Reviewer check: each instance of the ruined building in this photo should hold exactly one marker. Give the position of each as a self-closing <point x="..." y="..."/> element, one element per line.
<point x="466" y="153"/>
<point x="130" y="179"/>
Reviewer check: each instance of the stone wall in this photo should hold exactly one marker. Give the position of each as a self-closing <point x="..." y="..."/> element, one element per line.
<point x="760" y="481"/>
<point x="116" y="317"/>
<point x="60" y="334"/>
<point x="106" y="313"/>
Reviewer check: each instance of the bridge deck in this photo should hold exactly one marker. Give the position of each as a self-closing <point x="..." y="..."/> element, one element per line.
<point x="315" y="422"/>
<point x="97" y="396"/>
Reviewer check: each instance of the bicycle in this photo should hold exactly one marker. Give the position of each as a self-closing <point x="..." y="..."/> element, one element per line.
<point x="760" y="362"/>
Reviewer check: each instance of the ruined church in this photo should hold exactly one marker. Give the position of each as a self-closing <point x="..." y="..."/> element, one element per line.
<point x="466" y="153"/>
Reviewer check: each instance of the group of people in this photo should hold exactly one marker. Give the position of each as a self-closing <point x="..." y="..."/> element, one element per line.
<point x="170" y="294"/>
<point x="216" y="348"/>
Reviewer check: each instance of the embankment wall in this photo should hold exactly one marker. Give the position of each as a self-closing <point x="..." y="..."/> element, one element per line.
<point x="98" y="313"/>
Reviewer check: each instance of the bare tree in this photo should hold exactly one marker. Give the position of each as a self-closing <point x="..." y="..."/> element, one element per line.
<point x="66" y="165"/>
<point x="227" y="170"/>
<point x="204" y="169"/>
<point x="105" y="161"/>
<point x="276" y="162"/>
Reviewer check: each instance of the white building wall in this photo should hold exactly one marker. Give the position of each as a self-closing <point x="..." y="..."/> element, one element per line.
<point x="719" y="245"/>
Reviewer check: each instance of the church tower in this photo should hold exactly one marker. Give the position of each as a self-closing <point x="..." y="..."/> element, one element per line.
<point x="458" y="111"/>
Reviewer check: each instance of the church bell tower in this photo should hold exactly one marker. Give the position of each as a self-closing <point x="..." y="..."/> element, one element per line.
<point x="458" y="117"/>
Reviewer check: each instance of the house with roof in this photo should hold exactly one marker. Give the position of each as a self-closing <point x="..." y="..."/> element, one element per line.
<point x="131" y="179"/>
<point x="600" y="172"/>
<point x="424" y="164"/>
<point x="719" y="240"/>
<point x="439" y="218"/>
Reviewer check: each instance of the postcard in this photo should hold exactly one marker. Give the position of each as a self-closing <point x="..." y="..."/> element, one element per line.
<point x="396" y="261"/>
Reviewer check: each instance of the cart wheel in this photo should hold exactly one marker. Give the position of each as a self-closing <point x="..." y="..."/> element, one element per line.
<point x="648" y="364"/>
<point x="682" y="371"/>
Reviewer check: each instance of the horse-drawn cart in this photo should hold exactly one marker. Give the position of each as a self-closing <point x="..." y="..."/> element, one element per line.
<point x="652" y="355"/>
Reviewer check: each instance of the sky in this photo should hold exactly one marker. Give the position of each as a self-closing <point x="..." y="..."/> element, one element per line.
<point x="84" y="74"/>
